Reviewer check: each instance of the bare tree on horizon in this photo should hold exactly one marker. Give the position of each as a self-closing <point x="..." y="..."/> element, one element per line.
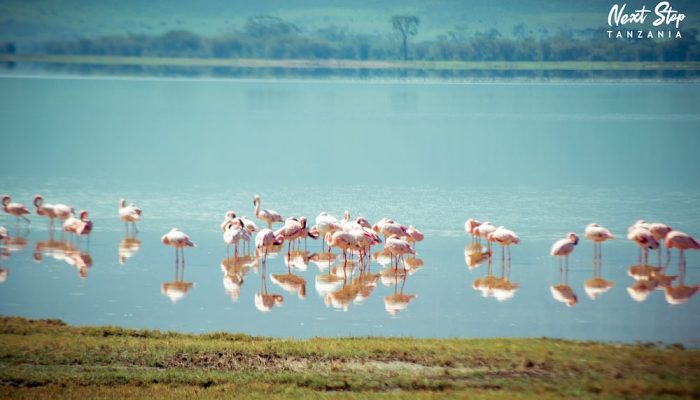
<point x="405" y="25"/>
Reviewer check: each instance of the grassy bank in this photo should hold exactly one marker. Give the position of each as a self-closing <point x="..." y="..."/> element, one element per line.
<point x="350" y="64"/>
<point x="49" y="358"/>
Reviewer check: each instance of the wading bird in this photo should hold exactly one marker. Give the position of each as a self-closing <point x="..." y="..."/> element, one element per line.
<point x="269" y="216"/>
<point x="397" y="247"/>
<point x="17" y="210"/>
<point x="265" y="240"/>
<point x="563" y="248"/>
<point x="129" y="213"/>
<point x="179" y="240"/>
<point x="681" y="241"/>
<point x="597" y="234"/>
<point x="644" y="239"/>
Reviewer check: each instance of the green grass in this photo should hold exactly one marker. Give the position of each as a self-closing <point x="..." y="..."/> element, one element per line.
<point x="349" y="64"/>
<point x="47" y="358"/>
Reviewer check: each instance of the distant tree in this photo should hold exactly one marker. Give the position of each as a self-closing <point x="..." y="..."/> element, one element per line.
<point x="405" y="26"/>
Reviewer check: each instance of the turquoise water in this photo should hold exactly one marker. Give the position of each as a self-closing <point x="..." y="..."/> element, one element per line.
<point x="540" y="159"/>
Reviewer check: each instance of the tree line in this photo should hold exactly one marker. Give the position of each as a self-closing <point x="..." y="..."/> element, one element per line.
<point x="274" y="38"/>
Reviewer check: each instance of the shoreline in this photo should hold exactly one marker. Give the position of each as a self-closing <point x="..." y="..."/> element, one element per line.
<point x="50" y="358"/>
<point x="353" y="70"/>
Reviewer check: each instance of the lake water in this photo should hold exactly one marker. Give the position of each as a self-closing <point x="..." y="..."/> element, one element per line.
<point x="540" y="159"/>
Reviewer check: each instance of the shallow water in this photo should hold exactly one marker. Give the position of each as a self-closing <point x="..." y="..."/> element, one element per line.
<point x="427" y="155"/>
<point x="119" y="288"/>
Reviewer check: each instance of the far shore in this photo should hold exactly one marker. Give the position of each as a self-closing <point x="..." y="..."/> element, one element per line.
<point x="47" y="358"/>
<point x="350" y="64"/>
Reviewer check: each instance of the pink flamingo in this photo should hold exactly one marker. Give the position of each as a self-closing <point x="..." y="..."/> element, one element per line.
<point x="326" y="223"/>
<point x="44" y="209"/>
<point x="397" y="247"/>
<point x="251" y="227"/>
<point x="129" y="213"/>
<point x="365" y="238"/>
<point x="179" y="240"/>
<point x="269" y="216"/>
<point x="681" y="241"/>
<point x="79" y="226"/>
<point x="265" y="240"/>
<point x="228" y="217"/>
<point x="388" y="227"/>
<point x="598" y="235"/>
<point x="644" y="239"/>
<point x="234" y="233"/>
<point x="564" y="248"/>
<point x="483" y="230"/>
<point x="291" y="230"/>
<point x="17" y="210"/>
<point x="505" y="238"/>
<point x="470" y="225"/>
<point x="414" y="235"/>
<point x="342" y="240"/>
<point x="660" y="230"/>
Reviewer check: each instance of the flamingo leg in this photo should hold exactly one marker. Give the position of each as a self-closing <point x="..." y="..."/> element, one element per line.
<point x="182" y="249"/>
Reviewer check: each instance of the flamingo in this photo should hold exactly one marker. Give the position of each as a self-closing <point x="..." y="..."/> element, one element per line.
<point x="228" y="217"/>
<point x="597" y="234"/>
<point x="234" y="233"/>
<point x="365" y="238"/>
<point x="3" y="233"/>
<point x="397" y="247"/>
<point x="483" y="230"/>
<point x="265" y="240"/>
<point x="388" y="227"/>
<point x="326" y="223"/>
<point x="291" y="230"/>
<point x="681" y="241"/>
<point x="44" y="209"/>
<point x="269" y="216"/>
<point x="251" y="227"/>
<point x="660" y="230"/>
<point x="129" y="213"/>
<point x="414" y="235"/>
<point x="505" y="238"/>
<point x="179" y="240"/>
<point x="342" y="240"/>
<point x="79" y="226"/>
<point x="644" y="239"/>
<point x="470" y="225"/>
<point x="17" y="210"/>
<point x="564" y="247"/>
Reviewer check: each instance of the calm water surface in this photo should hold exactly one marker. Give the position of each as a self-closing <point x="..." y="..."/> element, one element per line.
<point x="186" y="152"/>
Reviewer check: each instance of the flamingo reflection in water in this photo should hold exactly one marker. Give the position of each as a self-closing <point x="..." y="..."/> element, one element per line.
<point x="475" y="254"/>
<point x="64" y="251"/>
<point x="499" y="287"/>
<point x="235" y="272"/>
<point x="353" y="290"/>
<point x="128" y="247"/>
<point x="264" y="300"/>
<point x="177" y="289"/>
<point x="562" y="292"/>
<point x="398" y="301"/>
<point x="13" y="243"/>
<point x="4" y="272"/>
